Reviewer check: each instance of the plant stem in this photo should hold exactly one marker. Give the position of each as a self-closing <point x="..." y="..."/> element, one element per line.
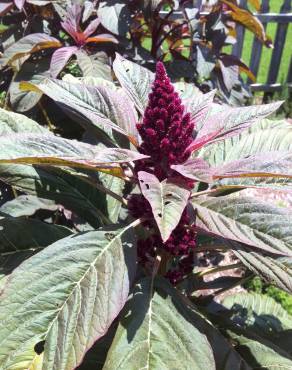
<point x="47" y="118"/>
<point x="213" y="270"/>
<point x="240" y="282"/>
<point x="205" y="192"/>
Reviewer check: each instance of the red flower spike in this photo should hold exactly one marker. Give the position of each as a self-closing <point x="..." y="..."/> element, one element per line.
<point x="166" y="132"/>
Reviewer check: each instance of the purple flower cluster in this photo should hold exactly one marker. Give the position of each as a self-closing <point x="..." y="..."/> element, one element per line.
<point x="166" y="132"/>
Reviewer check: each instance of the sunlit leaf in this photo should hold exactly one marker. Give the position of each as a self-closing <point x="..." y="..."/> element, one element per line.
<point x="246" y="220"/>
<point x="158" y="332"/>
<point x="27" y="45"/>
<point x="90" y="274"/>
<point x="136" y="80"/>
<point x="167" y="199"/>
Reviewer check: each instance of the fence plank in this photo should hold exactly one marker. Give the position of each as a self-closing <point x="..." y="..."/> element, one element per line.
<point x="257" y="46"/>
<point x="240" y="30"/>
<point x="279" y="45"/>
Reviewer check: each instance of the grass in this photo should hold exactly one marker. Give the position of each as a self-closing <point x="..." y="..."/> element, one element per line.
<point x="275" y="6"/>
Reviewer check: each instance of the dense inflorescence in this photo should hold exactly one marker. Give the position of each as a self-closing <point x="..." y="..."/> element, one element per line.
<point x="166" y="132"/>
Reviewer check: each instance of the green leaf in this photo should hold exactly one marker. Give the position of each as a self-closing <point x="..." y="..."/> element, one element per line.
<point x="157" y="331"/>
<point x="93" y="66"/>
<point x="246" y="220"/>
<point x="136" y="81"/>
<point x="260" y="139"/>
<point x="67" y="295"/>
<point x="52" y="150"/>
<point x="273" y="271"/>
<point x="11" y="122"/>
<point x="115" y="17"/>
<point x="232" y="121"/>
<point x="95" y="108"/>
<point x="258" y="312"/>
<point x="27" y="205"/>
<point x="26" y="46"/>
<point x="167" y="201"/>
<point x="73" y="192"/>
<point x="258" y="352"/>
<point x="116" y="185"/>
<point x="23" y="233"/>
<point x="35" y="72"/>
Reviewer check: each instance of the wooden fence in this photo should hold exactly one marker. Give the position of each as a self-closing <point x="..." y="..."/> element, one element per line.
<point x="282" y="19"/>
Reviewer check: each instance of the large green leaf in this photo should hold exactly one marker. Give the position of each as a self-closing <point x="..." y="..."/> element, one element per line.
<point x="34" y="72"/>
<point x="115" y="17"/>
<point x="260" y="138"/>
<point x="27" y="205"/>
<point x="11" y="122"/>
<point x="52" y="150"/>
<point x="272" y="270"/>
<point x="73" y="192"/>
<point x="266" y="136"/>
<point x="232" y="121"/>
<point x="19" y="233"/>
<point x="166" y="199"/>
<point x="157" y="331"/>
<point x="95" y="108"/>
<point x="258" y="311"/>
<point x="136" y="81"/>
<point x="246" y="220"/>
<point x="67" y="295"/>
<point x="259" y="352"/>
<point x="29" y="44"/>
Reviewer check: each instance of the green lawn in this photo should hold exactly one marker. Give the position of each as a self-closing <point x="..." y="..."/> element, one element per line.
<point x="275" y="6"/>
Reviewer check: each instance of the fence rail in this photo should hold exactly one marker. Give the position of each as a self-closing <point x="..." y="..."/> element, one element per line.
<point x="282" y="19"/>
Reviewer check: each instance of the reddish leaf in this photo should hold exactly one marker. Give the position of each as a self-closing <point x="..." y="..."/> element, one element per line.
<point x="272" y="164"/>
<point x="60" y="59"/>
<point x="167" y="200"/>
<point x="19" y="4"/>
<point x="91" y="27"/>
<point x="5" y="8"/>
<point x="72" y="23"/>
<point x="195" y="169"/>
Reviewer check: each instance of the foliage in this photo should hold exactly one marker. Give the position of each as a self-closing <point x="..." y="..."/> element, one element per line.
<point x="258" y="286"/>
<point x="41" y="38"/>
<point x="112" y="225"/>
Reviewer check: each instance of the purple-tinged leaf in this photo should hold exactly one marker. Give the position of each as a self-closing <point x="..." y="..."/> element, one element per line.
<point x="198" y="105"/>
<point x="246" y="220"/>
<point x="200" y="142"/>
<point x="19" y="4"/>
<point x="91" y="27"/>
<point x="5" y="8"/>
<point x="92" y="106"/>
<point x="27" y="45"/>
<point x="136" y="80"/>
<point x="232" y="121"/>
<point x="167" y="200"/>
<point x="195" y="169"/>
<point x="71" y="23"/>
<point x="97" y="285"/>
<point x="115" y="17"/>
<point x="88" y="8"/>
<point x="271" y="164"/>
<point x="60" y="58"/>
<point x="230" y="74"/>
<point x="55" y="151"/>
